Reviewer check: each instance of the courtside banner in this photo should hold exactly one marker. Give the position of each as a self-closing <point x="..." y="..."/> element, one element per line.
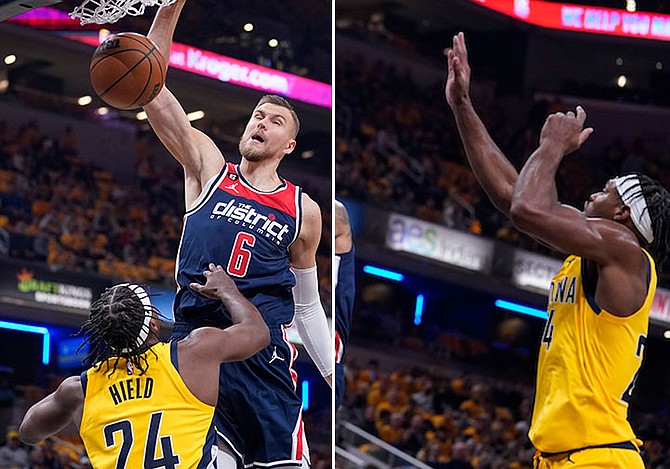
<point x="582" y="18"/>
<point x="533" y="271"/>
<point x="439" y="243"/>
<point x="29" y="284"/>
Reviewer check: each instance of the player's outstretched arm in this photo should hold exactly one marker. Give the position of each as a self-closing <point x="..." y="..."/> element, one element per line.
<point x="622" y="274"/>
<point x="54" y="412"/>
<point x="310" y="318"/>
<point x="196" y="152"/>
<point x="248" y="334"/>
<point x="536" y="209"/>
<point x="494" y="172"/>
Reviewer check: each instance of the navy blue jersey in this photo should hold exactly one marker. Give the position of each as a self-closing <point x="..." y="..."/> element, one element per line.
<point x="344" y="302"/>
<point x="247" y="232"/>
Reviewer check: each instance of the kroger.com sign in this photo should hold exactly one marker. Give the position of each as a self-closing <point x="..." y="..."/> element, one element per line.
<point x="439" y="243"/>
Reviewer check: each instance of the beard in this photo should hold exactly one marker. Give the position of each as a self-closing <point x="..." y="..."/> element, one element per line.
<point x="250" y="153"/>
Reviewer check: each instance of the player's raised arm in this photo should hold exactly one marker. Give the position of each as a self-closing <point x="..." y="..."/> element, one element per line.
<point x="492" y="169"/>
<point x="196" y="152"/>
<point x="604" y="233"/>
<point x="535" y="207"/>
<point x="54" y="412"/>
<point x="310" y="318"/>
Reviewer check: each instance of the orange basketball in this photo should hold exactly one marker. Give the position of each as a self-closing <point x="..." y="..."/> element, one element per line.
<point x="127" y="70"/>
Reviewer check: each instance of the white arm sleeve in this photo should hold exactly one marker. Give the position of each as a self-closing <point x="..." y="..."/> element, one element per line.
<point x="310" y="319"/>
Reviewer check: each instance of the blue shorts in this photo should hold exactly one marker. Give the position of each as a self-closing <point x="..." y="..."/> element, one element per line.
<point x="258" y="412"/>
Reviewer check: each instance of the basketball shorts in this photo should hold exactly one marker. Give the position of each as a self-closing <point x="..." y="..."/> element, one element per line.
<point x="258" y="412"/>
<point x="616" y="456"/>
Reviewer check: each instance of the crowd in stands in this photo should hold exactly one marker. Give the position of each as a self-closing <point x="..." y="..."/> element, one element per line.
<point x="397" y="147"/>
<point x="461" y="419"/>
<point x="51" y="454"/>
<point x="62" y="209"/>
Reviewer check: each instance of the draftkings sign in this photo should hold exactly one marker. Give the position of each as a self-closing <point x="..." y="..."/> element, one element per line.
<point x="36" y="285"/>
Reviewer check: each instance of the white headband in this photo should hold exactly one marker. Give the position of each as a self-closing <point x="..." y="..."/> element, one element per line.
<point x="143" y="296"/>
<point x="630" y="191"/>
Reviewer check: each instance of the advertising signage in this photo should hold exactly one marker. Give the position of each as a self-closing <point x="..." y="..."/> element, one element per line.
<point x="582" y="18"/>
<point x="36" y="285"/>
<point x="439" y="243"/>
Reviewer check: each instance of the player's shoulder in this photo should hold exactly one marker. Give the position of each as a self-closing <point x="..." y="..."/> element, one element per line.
<point x="620" y="241"/>
<point x="310" y="208"/>
<point x="341" y="214"/>
<point x="70" y="390"/>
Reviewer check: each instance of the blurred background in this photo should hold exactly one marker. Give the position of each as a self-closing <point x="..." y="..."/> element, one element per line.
<point x="89" y="197"/>
<point x="450" y="297"/>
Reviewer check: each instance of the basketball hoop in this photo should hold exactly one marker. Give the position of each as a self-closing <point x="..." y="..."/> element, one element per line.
<point x="110" y="11"/>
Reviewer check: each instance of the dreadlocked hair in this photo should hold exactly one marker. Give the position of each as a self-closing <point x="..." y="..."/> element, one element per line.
<point x="113" y="328"/>
<point x="657" y="199"/>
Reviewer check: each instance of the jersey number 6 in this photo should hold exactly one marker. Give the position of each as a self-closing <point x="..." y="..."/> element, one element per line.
<point x="240" y="256"/>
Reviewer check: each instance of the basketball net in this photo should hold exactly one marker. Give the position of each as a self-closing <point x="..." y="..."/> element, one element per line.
<point x="110" y="11"/>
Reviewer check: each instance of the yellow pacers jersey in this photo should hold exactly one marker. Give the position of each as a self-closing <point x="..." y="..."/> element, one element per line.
<point x="145" y="421"/>
<point x="587" y="366"/>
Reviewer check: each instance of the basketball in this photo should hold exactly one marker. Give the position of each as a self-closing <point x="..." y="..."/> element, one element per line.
<point x="127" y="70"/>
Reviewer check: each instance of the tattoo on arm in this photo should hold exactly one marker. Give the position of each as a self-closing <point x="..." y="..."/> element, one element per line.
<point x="343" y="215"/>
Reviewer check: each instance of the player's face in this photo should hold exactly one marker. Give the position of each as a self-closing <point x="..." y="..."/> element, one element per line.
<point x="269" y="133"/>
<point x="604" y="203"/>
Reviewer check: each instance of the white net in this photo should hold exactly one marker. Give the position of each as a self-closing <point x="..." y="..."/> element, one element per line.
<point x="110" y="11"/>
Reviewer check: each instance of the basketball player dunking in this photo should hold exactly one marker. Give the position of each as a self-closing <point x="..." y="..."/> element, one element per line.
<point x="265" y="233"/>
<point x="345" y="291"/>
<point x="599" y="302"/>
